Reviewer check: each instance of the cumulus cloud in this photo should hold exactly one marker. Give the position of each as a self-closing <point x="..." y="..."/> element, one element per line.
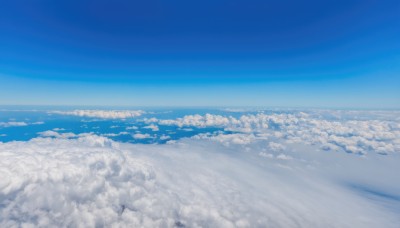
<point x="89" y="180"/>
<point x="56" y="134"/>
<point x="228" y="139"/>
<point x="104" y="114"/>
<point x="371" y="133"/>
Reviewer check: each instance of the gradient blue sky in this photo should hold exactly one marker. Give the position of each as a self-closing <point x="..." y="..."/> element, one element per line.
<point x="207" y="53"/>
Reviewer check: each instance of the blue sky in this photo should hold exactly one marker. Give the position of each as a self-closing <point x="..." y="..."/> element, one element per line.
<point x="206" y="53"/>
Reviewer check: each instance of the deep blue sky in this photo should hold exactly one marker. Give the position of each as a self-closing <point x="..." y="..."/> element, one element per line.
<point x="171" y="52"/>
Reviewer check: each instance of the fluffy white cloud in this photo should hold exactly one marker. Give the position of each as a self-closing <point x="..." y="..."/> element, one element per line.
<point x="152" y="127"/>
<point x="228" y="139"/>
<point x="104" y="114"/>
<point x="56" y="134"/>
<point x="88" y="180"/>
<point x="370" y="133"/>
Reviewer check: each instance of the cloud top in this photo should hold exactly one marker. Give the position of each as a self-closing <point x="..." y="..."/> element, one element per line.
<point x="64" y="179"/>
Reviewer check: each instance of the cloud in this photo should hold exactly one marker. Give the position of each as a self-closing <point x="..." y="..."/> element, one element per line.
<point x="18" y="124"/>
<point x="89" y="180"/>
<point x="115" y="134"/>
<point x="141" y="136"/>
<point x="228" y="139"/>
<point x="374" y="132"/>
<point x="13" y="124"/>
<point x="58" y="129"/>
<point x="284" y="157"/>
<point x="165" y="137"/>
<point x="152" y="127"/>
<point x="104" y="114"/>
<point x="55" y="134"/>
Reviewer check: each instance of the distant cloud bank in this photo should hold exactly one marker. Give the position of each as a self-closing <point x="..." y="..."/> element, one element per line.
<point x="351" y="135"/>
<point x="104" y="114"/>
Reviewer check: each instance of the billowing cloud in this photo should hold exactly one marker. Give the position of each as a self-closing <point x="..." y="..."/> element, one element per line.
<point x="69" y="180"/>
<point x="368" y="134"/>
<point x="104" y="114"/>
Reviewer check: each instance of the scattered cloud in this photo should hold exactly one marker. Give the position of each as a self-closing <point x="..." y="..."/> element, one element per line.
<point x="359" y="136"/>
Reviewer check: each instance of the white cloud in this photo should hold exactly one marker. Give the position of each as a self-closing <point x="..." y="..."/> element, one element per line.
<point x="152" y="127"/>
<point x="284" y="157"/>
<point x="18" y="123"/>
<point x="228" y="139"/>
<point x="276" y="146"/>
<point x="132" y="128"/>
<point x="141" y="136"/>
<point x="186" y="129"/>
<point x="57" y="134"/>
<point x="13" y="124"/>
<point x="90" y="181"/>
<point x="115" y="134"/>
<point x="104" y="114"/>
<point x="266" y="155"/>
<point x="372" y="133"/>
<point x="58" y="129"/>
<point x="165" y="137"/>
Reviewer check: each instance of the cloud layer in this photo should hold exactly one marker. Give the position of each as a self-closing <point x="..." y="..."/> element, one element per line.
<point x="64" y="179"/>
<point x="351" y="135"/>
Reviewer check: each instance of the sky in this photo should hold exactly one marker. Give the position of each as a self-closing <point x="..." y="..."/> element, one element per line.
<point x="285" y="53"/>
